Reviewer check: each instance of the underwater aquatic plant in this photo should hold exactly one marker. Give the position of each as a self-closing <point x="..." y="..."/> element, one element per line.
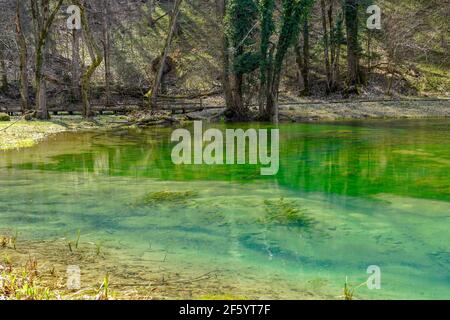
<point x="284" y="212"/>
<point x="155" y="198"/>
<point x="98" y="248"/>
<point x="77" y="241"/>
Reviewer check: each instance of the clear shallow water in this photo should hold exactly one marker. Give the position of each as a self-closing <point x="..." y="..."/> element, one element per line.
<point x="378" y="193"/>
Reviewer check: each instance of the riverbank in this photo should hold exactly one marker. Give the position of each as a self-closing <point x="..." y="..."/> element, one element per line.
<point x="18" y="133"/>
<point x="39" y="270"/>
<point x="21" y="134"/>
<point x="360" y="110"/>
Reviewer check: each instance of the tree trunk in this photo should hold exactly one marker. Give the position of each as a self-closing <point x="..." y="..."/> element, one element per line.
<point x="351" y="22"/>
<point x="4" y="72"/>
<point x="106" y="53"/>
<point x="23" y="61"/>
<point x="153" y="93"/>
<point x="76" y="64"/>
<point x="333" y="48"/>
<point x="326" y="45"/>
<point x="221" y="9"/>
<point x="42" y="21"/>
<point x="237" y="111"/>
<point x="306" y="59"/>
<point x="96" y="58"/>
<point x="151" y="7"/>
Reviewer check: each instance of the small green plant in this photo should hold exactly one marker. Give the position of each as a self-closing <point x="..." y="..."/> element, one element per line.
<point x="4" y="241"/>
<point x="74" y="244"/>
<point x="7" y="260"/>
<point x="103" y="291"/>
<point x="14" y="239"/>
<point x="22" y="284"/>
<point x="77" y="241"/>
<point x="4" y="117"/>
<point x="98" y="248"/>
<point x="349" y="290"/>
<point x="348" y="293"/>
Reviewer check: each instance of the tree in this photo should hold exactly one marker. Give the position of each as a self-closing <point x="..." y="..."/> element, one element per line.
<point x="353" y="48"/>
<point x="96" y="60"/>
<point x="76" y="65"/>
<point x="43" y="19"/>
<point x="153" y="93"/>
<point x="303" y="56"/>
<point x="3" y="70"/>
<point x="241" y="22"/>
<point x="23" y="60"/>
<point x="221" y="6"/>
<point x="106" y="51"/>
<point x="326" y="45"/>
<point x="293" y="13"/>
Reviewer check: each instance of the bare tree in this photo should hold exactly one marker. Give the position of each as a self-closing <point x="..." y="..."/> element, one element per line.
<point x="106" y="52"/>
<point x="96" y="60"/>
<point x="23" y="60"/>
<point x="153" y="93"/>
<point x="42" y="21"/>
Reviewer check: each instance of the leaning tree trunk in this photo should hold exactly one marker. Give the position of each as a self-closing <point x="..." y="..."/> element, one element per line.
<point x="23" y="61"/>
<point x="153" y="93"/>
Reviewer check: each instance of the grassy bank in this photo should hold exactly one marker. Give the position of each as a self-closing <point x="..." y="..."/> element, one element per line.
<point x="18" y="133"/>
<point x="26" y="134"/>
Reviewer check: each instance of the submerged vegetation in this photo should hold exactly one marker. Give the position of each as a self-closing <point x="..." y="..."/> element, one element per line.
<point x="172" y="197"/>
<point x="285" y="212"/>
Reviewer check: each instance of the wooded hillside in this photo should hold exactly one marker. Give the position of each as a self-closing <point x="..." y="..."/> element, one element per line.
<point x="240" y="52"/>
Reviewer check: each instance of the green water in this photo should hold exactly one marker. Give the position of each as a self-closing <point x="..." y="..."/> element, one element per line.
<point x="374" y="193"/>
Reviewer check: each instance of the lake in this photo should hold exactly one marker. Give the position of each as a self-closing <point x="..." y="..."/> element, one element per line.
<point x="347" y="196"/>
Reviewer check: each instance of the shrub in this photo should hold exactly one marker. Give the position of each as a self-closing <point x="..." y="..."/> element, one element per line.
<point x="4" y="117"/>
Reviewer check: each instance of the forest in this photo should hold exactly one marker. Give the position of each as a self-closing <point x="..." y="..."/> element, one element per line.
<point x="224" y="150"/>
<point x="243" y="54"/>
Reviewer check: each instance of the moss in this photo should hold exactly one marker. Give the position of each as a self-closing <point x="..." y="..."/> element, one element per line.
<point x="4" y="117"/>
<point x="286" y="213"/>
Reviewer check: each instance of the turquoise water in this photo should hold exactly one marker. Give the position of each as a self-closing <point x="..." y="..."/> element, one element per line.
<point x="373" y="193"/>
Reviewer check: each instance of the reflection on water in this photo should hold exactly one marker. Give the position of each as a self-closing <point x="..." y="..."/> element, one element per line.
<point x="376" y="193"/>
